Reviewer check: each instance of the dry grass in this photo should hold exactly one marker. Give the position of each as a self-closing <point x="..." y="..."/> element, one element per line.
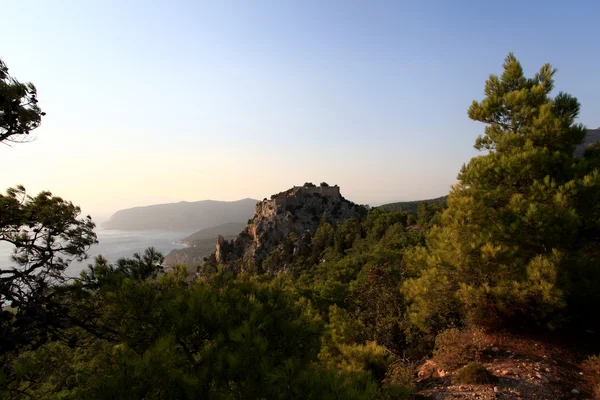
<point x="591" y="373"/>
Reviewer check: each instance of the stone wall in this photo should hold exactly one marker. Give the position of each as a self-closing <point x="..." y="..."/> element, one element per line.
<point x="328" y="191"/>
<point x="294" y="196"/>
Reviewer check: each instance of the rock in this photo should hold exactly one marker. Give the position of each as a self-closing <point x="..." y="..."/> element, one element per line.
<point x="496" y="389"/>
<point x="219" y="249"/>
<point x="575" y="391"/>
<point x="293" y="216"/>
<point x="426" y="370"/>
<point x="495" y="349"/>
<point x="505" y="372"/>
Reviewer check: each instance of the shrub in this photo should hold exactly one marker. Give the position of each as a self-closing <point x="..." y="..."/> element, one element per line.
<point x="400" y="374"/>
<point x="454" y="348"/>
<point x="591" y="371"/>
<point x="473" y="373"/>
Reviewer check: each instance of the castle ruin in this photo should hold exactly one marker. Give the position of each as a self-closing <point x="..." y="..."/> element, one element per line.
<point x="297" y="194"/>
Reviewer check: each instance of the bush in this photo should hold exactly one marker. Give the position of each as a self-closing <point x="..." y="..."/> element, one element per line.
<point x="473" y="373"/>
<point x="591" y="371"/>
<point x="454" y="348"/>
<point x="400" y="375"/>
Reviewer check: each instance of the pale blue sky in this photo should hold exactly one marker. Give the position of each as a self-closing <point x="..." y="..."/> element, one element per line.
<point x="155" y="101"/>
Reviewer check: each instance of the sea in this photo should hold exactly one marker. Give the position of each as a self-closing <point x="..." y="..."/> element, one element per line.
<point x="113" y="244"/>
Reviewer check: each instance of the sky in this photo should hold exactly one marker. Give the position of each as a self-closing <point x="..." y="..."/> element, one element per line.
<point x="152" y="101"/>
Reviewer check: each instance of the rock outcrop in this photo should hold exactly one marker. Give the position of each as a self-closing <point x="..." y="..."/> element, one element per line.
<point x="298" y="210"/>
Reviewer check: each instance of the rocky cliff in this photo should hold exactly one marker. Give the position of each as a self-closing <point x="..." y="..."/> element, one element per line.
<point x="297" y="211"/>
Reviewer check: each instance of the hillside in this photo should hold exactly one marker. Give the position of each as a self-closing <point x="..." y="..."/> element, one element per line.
<point x="201" y="244"/>
<point x="194" y="255"/>
<point x="227" y="229"/>
<point x="592" y="137"/>
<point x="410" y="206"/>
<point x="182" y="216"/>
<point x="288" y="219"/>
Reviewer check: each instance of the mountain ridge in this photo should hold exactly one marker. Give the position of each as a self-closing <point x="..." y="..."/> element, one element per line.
<point x="191" y="216"/>
<point x="226" y="229"/>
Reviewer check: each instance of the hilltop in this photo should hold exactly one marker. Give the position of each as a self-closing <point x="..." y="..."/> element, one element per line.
<point x="294" y="216"/>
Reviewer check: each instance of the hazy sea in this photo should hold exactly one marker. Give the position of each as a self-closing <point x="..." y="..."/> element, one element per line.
<point x="114" y="244"/>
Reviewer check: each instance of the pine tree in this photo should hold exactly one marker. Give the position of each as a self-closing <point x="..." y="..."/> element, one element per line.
<point x="509" y="240"/>
<point x="19" y="110"/>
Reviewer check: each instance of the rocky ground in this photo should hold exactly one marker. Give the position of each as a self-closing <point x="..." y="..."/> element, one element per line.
<point x="523" y="369"/>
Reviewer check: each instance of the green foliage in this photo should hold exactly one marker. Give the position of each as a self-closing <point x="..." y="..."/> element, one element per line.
<point x="413" y="206"/>
<point x="473" y="374"/>
<point x="342" y="255"/>
<point x="399" y="381"/>
<point x="322" y="239"/>
<point x="363" y="359"/>
<point x="137" y="268"/>
<point x="19" y="110"/>
<point x="221" y="337"/>
<point x="378" y="308"/>
<point x="511" y="243"/>
<point x="454" y="348"/>
<point x="47" y="234"/>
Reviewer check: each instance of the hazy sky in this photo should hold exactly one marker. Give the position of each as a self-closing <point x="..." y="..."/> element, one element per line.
<point x="159" y="101"/>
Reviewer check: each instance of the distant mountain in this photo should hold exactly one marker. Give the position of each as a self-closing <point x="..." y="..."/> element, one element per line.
<point x="593" y="136"/>
<point x="410" y="206"/>
<point x="228" y="229"/>
<point x="182" y="216"/>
